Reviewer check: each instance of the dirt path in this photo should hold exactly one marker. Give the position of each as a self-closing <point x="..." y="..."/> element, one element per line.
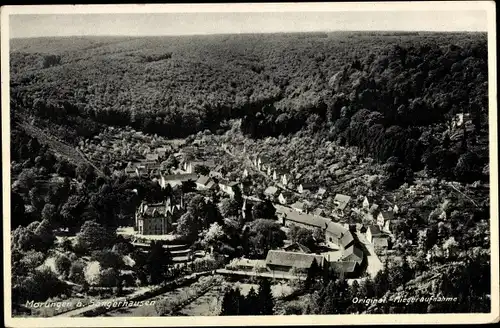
<point x="59" y="148"/>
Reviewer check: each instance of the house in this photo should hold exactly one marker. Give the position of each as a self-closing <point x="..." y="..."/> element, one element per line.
<point x="460" y="119"/>
<point x="321" y="193"/>
<point x="380" y="243"/>
<point x="319" y="212"/>
<point x="177" y="179"/>
<point x="383" y="220"/>
<point x="353" y="254"/>
<point x="279" y="261"/>
<point x="298" y="176"/>
<point x="334" y="234"/>
<point x="153" y="219"/>
<point x="285" y="179"/>
<point x="341" y="201"/>
<point x="276" y="175"/>
<point x="153" y="157"/>
<point x="298" y="206"/>
<point x="228" y="187"/>
<point x="215" y="174"/>
<point x="260" y="161"/>
<point x="306" y="186"/>
<point x="377" y="237"/>
<point x="269" y="171"/>
<point x="395" y="209"/>
<point x="190" y="167"/>
<point x="297" y="247"/>
<point x="162" y="152"/>
<point x="245" y="173"/>
<point x="346" y="240"/>
<point x="141" y="171"/>
<point x="284" y="197"/>
<point x="290" y="217"/>
<point x="366" y="203"/>
<point x="204" y="183"/>
<point x="271" y="192"/>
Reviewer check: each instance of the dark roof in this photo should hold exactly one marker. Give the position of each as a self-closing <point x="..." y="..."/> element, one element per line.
<point x="353" y="253"/>
<point x="208" y="163"/>
<point x="388" y="215"/>
<point x="181" y="177"/>
<point x="293" y="259"/>
<point x="297" y="247"/>
<point x="374" y="230"/>
<point x="308" y="185"/>
<point x="344" y="266"/>
<point x="228" y="183"/>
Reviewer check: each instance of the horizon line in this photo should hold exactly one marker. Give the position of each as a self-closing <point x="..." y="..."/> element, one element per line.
<point x="248" y="33"/>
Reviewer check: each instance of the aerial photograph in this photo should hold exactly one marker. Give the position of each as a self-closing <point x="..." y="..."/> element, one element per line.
<point x="246" y="163"/>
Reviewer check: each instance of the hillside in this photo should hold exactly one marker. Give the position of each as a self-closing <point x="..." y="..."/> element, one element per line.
<point x="391" y="94"/>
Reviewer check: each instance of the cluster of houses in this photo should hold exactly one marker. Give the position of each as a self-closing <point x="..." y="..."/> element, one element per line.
<point x="148" y="165"/>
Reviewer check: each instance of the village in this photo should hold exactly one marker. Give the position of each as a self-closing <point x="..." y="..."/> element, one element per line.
<point x="352" y="250"/>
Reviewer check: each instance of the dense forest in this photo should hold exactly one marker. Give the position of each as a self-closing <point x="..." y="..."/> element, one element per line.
<point x="394" y="95"/>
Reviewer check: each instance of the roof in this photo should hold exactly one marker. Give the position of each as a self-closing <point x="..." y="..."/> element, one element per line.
<point x="308" y="185"/>
<point x="181" y="177"/>
<point x="298" y="247"/>
<point x="380" y="242"/>
<point x="298" y="176"/>
<point x="208" y="163"/>
<point x="154" y="209"/>
<point x="228" y="183"/>
<point x="321" y="191"/>
<point x="342" y="200"/>
<point x="373" y="208"/>
<point x="298" y="205"/>
<point x="302" y="218"/>
<point x="293" y="259"/>
<point x="374" y="230"/>
<point x="336" y="229"/>
<point x="203" y="180"/>
<point x="387" y="215"/>
<point x="152" y="157"/>
<point x="353" y="253"/>
<point x="319" y="212"/>
<point x="215" y="174"/>
<point x="344" y="266"/>
<point x="271" y="190"/>
<point x="210" y="184"/>
<point x="346" y="239"/>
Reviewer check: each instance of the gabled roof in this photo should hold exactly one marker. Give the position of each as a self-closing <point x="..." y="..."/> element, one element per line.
<point x="341" y="200"/>
<point x="228" y="183"/>
<point x="346" y="239"/>
<point x="207" y="163"/>
<point x="308" y="185"/>
<point x="373" y="208"/>
<point x="297" y="247"/>
<point x="215" y="174"/>
<point x="336" y="229"/>
<point x="344" y="266"/>
<point x="321" y="191"/>
<point x="203" y="180"/>
<point x="380" y="242"/>
<point x="293" y="259"/>
<point x="302" y="218"/>
<point x="298" y="205"/>
<point x="319" y="212"/>
<point x="181" y="177"/>
<point x="388" y="215"/>
<point x="353" y="253"/>
<point x="374" y="230"/>
<point x="152" y="157"/>
<point x="271" y="190"/>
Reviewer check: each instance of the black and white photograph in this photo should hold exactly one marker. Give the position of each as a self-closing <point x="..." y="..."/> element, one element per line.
<point x="288" y="160"/>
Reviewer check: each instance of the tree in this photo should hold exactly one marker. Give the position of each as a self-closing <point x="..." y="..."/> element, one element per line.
<point x="63" y="265"/>
<point x="18" y="215"/>
<point x="45" y="235"/>
<point x="213" y="235"/>
<point x="229" y="207"/>
<point x="39" y="285"/>
<point x="302" y="236"/>
<point x="264" y="210"/>
<point x="188" y="226"/>
<point x="265" y="235"/>
<point x="157" y="262"/>
<point x="49" y="213"/>
<point x="85" y="172"/>
<point x="312" y="273"/>
<point x="266" y="299"/>
<point x="93" y="236"/>
<point x="251" y="303"/>
<point x="231" y="302"/>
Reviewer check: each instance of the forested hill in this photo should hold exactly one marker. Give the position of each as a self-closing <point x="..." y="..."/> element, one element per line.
<point x="392" y="94"/>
